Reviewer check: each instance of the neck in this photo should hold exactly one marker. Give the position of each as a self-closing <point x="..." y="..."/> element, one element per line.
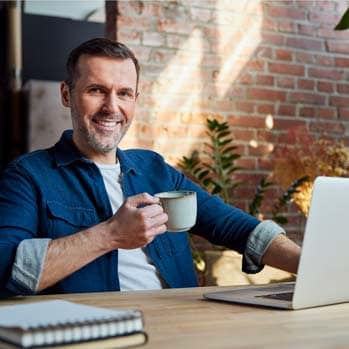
<point x="108" y="158"/>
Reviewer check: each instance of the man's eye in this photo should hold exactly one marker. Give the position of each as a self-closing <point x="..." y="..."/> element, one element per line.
<point x="95" y="90"/>
<point x="126" y="94"/>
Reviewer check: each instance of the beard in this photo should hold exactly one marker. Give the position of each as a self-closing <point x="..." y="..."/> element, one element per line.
<point x="97" y="141"/>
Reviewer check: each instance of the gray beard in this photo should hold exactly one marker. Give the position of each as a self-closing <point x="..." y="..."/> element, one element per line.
<point x="95" y="144"/>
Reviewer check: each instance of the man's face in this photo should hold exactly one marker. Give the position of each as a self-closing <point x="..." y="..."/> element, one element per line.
<point x="102" y="104"/>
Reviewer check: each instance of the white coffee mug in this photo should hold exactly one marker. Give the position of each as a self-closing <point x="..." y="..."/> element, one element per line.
<point x="181" y="208"/>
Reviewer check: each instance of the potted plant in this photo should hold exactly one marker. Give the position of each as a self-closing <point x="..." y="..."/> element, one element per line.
<point x="214" y="170"/>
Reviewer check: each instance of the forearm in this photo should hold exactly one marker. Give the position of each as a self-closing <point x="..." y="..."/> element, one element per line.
<point x="282" y="253"/>
<point x="66" y="255"/>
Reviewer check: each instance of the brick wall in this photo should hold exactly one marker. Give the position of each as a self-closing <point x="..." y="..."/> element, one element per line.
<point x="241" y="61"/>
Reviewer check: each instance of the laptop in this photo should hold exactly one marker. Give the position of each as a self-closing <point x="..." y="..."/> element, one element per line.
<point x="322" y="276"/>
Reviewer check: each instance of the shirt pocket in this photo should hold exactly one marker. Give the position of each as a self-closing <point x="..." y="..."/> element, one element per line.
<point x="66" y="219"/>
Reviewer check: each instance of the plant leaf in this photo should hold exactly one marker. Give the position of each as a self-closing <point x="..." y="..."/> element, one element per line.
<point x="344" y="22"/>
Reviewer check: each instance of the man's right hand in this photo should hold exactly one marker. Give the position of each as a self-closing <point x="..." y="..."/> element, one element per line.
<point x="136" y="223"/>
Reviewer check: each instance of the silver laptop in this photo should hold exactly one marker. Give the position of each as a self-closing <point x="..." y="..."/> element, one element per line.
<point x="322" y="276"/>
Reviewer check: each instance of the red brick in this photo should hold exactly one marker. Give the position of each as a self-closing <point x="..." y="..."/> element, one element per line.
<point x="323" y="17"/>
<point x="236" y="91"/>
<point x="174" y="26"/>
<point x="255" y="65"/>
<point x="306" y="29"/>
<point x="243" y="135"/>
<point x="342" y="62"/>
<point x="284" y="55"/>
<point x="343" y="88"/>
<point x="286" y="110"/>
<point x="307" y="112"/>
<point x="287" y="26"/>
<point x="327" y="113"/>
<point x="260" y="150"/>
<point x="265" y="164"/>
<point x="129" y="37"/>
<point x="344" y="113"/>
<point x="266" y="94"/>
<point x="245" y="78"/>
<point x="223" y="105"/>
<point x="305" y="84"/>
<point x="338" y="46"/>
<point x="264" y="52"/>
<point x="286" y="124"/>
<point x="246" y="107"/>
<point x="285" y="82"/>
<point x="266" y="136"/>
<point x="305" y="44"/>
<point x="326" y="73"/>
<point x="304" y="57"/>
<point x="265" y="80"/>
<point x="329" y="33"/>
<point x="246" y="164"/>
<point x="286" y="12"/>
<point x="161" y="56"/>
<point x="325" y="60"/>
<point x="131" y="8"/>
<point x="141" y="24"/>
<point x="308" y="98"/>
<point x="327" y="127"/>
<point x="266" y="109"/>
<point x="153" y="39"/>
<point x="288" y="69"/>
<point x="326" y="5"/>
<point x="323" y="86"/>
<point x="246" y="121"/>
<point x="176" y="41"/>
<point x="273" y="39"/>
<point x="339" y="101"/>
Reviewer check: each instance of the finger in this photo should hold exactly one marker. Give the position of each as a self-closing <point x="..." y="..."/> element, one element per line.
<point x="141" y="199"/>
<point x="151" y="210"/>
<point x="156" y="230"/>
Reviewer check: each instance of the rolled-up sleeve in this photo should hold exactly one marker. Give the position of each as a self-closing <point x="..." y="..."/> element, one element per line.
<point x="29" y="262"/>
<point x="257" y="243"/>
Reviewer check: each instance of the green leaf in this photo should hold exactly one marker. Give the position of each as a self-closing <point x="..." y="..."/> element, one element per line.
<point x="280" y="219"/>
<point x="344" y="22"/>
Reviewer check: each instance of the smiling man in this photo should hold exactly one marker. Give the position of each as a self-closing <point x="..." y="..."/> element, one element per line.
<point x="81" y="216"/>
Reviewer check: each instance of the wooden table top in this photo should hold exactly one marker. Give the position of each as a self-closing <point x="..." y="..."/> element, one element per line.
<point x="181" y="318"/>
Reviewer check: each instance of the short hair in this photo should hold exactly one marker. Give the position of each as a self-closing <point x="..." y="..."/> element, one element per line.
<point x="101" y="47"/>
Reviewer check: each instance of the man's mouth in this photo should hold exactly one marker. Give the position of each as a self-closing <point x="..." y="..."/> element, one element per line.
<point x="107" y="124"/>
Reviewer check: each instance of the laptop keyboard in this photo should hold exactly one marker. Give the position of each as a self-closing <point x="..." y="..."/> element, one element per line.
<point x="285" y="296"/>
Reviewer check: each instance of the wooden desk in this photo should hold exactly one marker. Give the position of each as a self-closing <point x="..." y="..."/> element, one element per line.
<point x="180" y="318"/>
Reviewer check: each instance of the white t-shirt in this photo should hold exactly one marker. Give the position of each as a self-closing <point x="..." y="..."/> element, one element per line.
<point x="136" y="271"/>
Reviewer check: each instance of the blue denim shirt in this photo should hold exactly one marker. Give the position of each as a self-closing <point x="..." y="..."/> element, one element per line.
<point x="56" y="192"/>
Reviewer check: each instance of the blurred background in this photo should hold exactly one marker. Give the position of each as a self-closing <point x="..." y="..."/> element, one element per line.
<point x="275" y="71"/>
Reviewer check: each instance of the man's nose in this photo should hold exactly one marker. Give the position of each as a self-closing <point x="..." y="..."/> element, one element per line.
<point x="111" y="104"/>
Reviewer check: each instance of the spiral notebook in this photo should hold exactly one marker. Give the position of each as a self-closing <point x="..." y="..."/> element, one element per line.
<point x="63" y="324"/>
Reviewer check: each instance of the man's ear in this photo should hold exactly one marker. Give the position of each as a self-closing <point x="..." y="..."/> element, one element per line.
<point x="65" y="94"/>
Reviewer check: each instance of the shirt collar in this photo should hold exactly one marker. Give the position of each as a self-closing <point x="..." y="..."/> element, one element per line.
<point x="65" y="153"/>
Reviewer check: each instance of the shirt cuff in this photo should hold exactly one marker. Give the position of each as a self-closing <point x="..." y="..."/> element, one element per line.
<point x="29" y="262"/>
<point x="257" y="243"/>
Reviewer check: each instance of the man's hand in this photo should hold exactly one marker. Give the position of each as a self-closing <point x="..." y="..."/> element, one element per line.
<point x="137" y="222"/>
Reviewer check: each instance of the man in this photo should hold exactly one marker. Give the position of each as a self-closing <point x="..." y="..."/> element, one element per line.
<point x="81" y="216"/>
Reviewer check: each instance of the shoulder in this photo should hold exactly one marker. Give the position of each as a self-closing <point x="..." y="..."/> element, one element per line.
<point x="34" y="159"/>
<point x="141" y="158"/>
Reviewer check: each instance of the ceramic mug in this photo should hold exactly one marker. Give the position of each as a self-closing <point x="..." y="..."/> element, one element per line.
<point x="181" y="208"/>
